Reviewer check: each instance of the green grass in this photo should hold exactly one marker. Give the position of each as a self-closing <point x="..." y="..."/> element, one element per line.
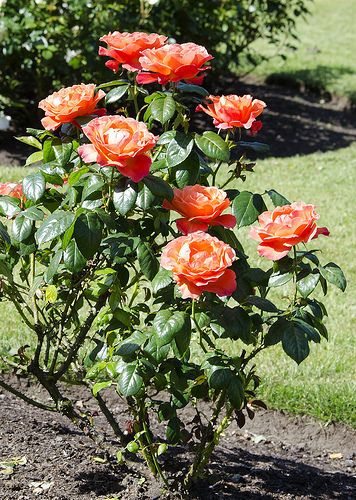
<point x="324" y="384"/>
<point x="325" y="59"/>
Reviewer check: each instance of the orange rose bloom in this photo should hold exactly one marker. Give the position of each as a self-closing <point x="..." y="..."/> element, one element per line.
<point x="201" y="207"/>
<point x="231" y="111"/>
<point x="126" y="48"/>
<point x="70" y="103"/>
<point x="285" y="227"/>
<point x="11" y="189"/>
<point x="199" y="263"/>
<point x="172" y="63"/>
<point x="120" y="142"/>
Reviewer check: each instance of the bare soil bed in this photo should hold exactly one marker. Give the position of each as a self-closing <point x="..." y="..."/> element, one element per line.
<point x="275" y="456"/>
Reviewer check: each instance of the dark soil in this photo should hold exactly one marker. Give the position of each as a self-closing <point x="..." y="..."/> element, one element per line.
<point x="294" y="123"/>
<point x="275" y="456"/>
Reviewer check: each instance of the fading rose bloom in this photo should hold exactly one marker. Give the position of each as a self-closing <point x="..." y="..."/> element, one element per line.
<point x="70" y="103"/>
<point x="172" y="63"/>
<point x="255" y="128"/>
<point x="285" y="227"/>
<point x="231" y="111"/>
<point x="119" y="142"/>
<point x="125" y="48"/>
<point x="13" y="189"/>
<point x="201" y="207"/>
<point x="199" y="263"/>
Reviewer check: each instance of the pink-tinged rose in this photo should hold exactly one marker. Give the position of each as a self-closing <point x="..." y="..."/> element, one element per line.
<point x="12" y="189"/>
<point x="125" y="49"/>
<point x="172" y="63"/>
<point x="231" y="111"/>
<point x="284" y="228"/>
<point x="201" y="207"/>
<point x="119" y="142"/>
<point x="199" y="263"/>
<point x="70" y="103"/>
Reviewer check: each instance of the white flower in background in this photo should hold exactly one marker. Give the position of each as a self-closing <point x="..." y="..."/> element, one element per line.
<point x="171" y="40"/>
<point x="70" y="54"/>
<point x="2" y="3"/>
<point x="152" y="2"/>
<point x="5" y="121"/>
<point x="251" y="8"/>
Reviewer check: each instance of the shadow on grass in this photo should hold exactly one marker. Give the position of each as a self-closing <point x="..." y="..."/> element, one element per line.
<point x="294" y="123"/>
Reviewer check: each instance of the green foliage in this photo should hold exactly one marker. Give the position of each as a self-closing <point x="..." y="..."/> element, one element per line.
<point x="45" y="45"/>
<point x="79" y="259"/>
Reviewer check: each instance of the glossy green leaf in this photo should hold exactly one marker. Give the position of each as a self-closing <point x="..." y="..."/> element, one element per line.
<point x="295" y="342"/>
<point x="277" y="199"/>
<point x="307" y="285"/>
<point x="187" y="172"/>
<point x="162" y="279"/>
<point x="130" y="380"/>
<point x="246" y="207"/>
<point x="34" y="186"/>
<point x="158" y="187"/>
<point x="179" y="149"/>
<point x="334" y="275"/>
<point x="163" y="109"/>
<point x="167" y="324"/>
<point x="116" y="94"/>
<point x="147" y="260"/>
<point x="124" y="196"/>
<point x="21" y="228"/>
<point x="54" y="226"/>
<point x="213" y="146"/>
<point x="87" y="233"/>
<point x="73" y="259"/>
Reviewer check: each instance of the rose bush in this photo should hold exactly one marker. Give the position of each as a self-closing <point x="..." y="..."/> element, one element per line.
<point x="115" y="297"/>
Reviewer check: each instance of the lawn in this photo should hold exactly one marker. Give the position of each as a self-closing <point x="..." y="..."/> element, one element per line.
<point x="324" y="384"/>
<point x="325" y="58"/>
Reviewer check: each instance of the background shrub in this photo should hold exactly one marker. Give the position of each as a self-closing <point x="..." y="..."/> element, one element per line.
<point x="48" y="44"/>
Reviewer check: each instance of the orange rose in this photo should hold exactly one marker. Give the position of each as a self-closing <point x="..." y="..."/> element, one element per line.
<point x="172" y="63"/>
<point x="70" y="103"/>
<point x="201" y="207"/>
<point x="120" y="142"/>
<point x="231" y="111"/>
<point x="199" y="263"/>
<point x="126" y="48"/>
<point x="11" y="189"/>
<point x="285" y="227"/>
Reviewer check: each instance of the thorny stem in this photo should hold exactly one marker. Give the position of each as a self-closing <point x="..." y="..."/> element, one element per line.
<point x="33" y="276"/>
<point x="111" y="419"/>
<point x="25" y="398"/>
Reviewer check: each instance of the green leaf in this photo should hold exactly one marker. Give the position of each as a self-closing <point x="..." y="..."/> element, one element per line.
<point x="166" y="137"/>
<point x="220" y="378"/>
<point x="21" y="228"/>
<point x="93" y="184"/>
<point x="76" y="175"/>
<point x="307" y="285"/>
<point x="162" y="279"/>
<point x="167" y="324"/>
<point x="158" y="187"/>
<point x="277" y="279"/>
<point x="158" y="352"/>
<point x="52" y="174"/>
<point x="277" y="199"/>
<point x="259" y="147"/>
<point x="51" y="294"/>
<point x="34" y="186"/>
<point x="116" y="94"/>
<point x="246" y="207"/>
<point x="334" y="275"/>
<point x="63" y="153"/>
<point x="4" y="235"/>
<point x="213" y="146"/>
<point x="295" y="342"/>
<point x="147" y="260"/>
<point x="145" y="198"/>
<point x="33" y="213"/>
<point x="53" y="266"/>
<point x="73" y="260"/>
<point x="163" y="109"/>
<point x="35" y="157"/>
<point x="276" y="331"/>
<point x="173" y="433"/>
<point x="54" y="226"/>
<point x="308" y="329"/>
<point x="99" y="386"/>
<point x="113" y="83"/>
<point x="179" y="149"/>
<point x="187" y="172"/>
<point x="260" y="303"/>
<point x="30" y="140"/>
<point x="130" y="381"/>
<point x="192" y="89"/>
<point x="236" y="393"/>
<point x="124" y="196"/>
<point x="87" y="233"/>
<point x="8" y="206"/>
